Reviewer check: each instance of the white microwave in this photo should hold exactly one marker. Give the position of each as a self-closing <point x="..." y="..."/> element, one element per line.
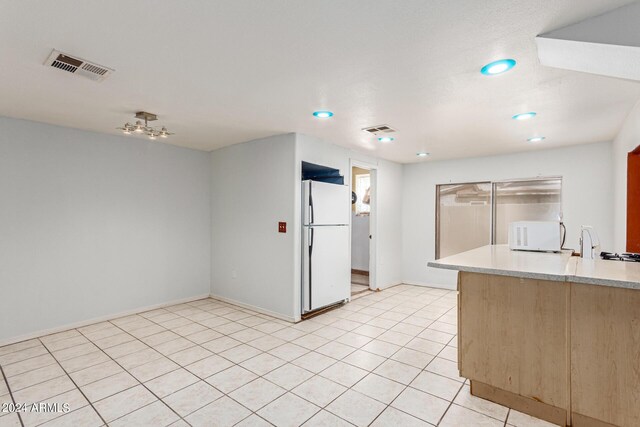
<point x="541" y="236"/>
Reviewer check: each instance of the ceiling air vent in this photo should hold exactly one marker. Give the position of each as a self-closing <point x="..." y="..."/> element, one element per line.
<point x="380" y="129"/>
<point x="78" y="66"/>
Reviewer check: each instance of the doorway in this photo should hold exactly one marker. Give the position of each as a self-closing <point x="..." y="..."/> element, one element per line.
<point x="361" y="214"/>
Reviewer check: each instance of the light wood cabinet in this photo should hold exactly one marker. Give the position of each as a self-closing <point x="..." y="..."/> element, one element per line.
<point x="605" y="356"/>
<point x="514" y="342"/>
<point x="565" y="352"/>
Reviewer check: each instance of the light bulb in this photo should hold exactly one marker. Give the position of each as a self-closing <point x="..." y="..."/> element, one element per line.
<point x="126" y="129"/>
<point x="323" y="114"/>
<point x="524" y="116"/>
<point x="498" y="67"/>
<point x="139" y="128"/>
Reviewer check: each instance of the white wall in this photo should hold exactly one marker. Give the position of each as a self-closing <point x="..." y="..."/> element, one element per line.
<point x="627" y="140"/>
<point x="255" y="185"/>
<point x="386" y="226"/>
<point x="92" y="225"/>
<point x="586" y="193"/>
<point x="252" y="187"/>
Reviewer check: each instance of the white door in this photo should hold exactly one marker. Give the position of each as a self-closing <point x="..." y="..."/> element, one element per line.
<point x="326" y="204"/>
<point x="327" y="269"/>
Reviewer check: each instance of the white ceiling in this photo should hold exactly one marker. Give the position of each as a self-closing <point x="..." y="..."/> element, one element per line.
<point x="223" y="72"/>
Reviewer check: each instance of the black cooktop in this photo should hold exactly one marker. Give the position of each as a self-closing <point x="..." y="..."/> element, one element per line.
<point x="629" y="257"/>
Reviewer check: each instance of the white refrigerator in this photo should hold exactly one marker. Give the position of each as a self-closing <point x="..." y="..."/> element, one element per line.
<point x="326" y="263"/>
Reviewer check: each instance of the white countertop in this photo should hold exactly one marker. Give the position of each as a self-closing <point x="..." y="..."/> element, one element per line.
<point x="500" y="260"/>
<point x="618" y="274"/>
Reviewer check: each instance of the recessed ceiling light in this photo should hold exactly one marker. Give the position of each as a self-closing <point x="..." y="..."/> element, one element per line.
<point x="498" y="67"/>
<point x="323" y="114"/>
<point x="422" y="154"/>
<point x="524" y="116"/>
<point x="385" y="139"/>
<point x="536" y="139"/>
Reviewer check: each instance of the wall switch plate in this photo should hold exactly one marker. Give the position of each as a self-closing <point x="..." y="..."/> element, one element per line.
<point x="282" y="227"/>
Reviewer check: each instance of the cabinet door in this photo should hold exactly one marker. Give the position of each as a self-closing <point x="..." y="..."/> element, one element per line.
<point x="514" y="336"/>
<point x="605" y="355"/>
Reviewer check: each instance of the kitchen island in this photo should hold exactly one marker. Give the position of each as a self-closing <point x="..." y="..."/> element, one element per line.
<point x="550" y="335"/>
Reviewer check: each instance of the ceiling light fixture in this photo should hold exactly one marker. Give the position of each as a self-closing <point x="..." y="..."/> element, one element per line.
<point x="524" y="116"/>
<point x="536" y="139"/>
<point x="323" y="114"/>
<point x="386" y="139"/>
<point x="422" y="154"/>
<point x="498" y="67"/>
<point x="141" y="128"/>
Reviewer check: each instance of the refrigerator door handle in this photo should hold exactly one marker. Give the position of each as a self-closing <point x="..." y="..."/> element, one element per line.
<point x="311" y="209"/>
<point x="310" y="258"/>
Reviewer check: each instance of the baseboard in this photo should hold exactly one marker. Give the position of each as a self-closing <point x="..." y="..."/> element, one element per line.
<point x="91" y="321"/>
<point x="361" y="272"/>
<point x="254" y="308"/>
<point x="578" y="420"/>
<point x="387" y="286"/>
<point x="433" y="285"/>
<point x="529" y="406"/>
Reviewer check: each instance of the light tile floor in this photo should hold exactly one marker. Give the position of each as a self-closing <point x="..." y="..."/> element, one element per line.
<point x="360" y="279"/>
<point x="385" y="359"/>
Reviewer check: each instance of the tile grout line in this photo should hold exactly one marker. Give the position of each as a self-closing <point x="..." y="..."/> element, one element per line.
<point x="6" y="381"/>
<point x="262" y="376"/>
<point x="183" y="367"/>
<point x="309" y="350"/>
<point x="23" y="349"/>
<point x="444" y="414"/>
<point x="74" y="383"/>
<point x="245" y="326"/>
<point x="451" y="403"/>
<point x="252" y="412"/>
<point x="351" y="387"/>
<point x="372" y="372"/>
<point x="140" y="383"/>
<point x="167" y="357"/>
<point x="421" y="371"/>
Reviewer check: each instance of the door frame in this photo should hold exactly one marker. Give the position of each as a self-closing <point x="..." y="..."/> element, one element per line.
<point x="632" y="234"/>
<point x="373" y="217"/>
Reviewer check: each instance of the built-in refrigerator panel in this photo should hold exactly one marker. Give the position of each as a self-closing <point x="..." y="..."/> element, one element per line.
<point x="325" y="204"/>
<point x="326" y="266"/>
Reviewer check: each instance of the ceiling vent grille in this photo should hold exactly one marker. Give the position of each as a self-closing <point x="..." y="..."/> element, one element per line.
<point x="78" y="66"/>
<point x="380" y="129"/>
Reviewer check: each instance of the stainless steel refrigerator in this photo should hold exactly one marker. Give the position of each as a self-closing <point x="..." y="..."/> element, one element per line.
<point x="326" y="259"/>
